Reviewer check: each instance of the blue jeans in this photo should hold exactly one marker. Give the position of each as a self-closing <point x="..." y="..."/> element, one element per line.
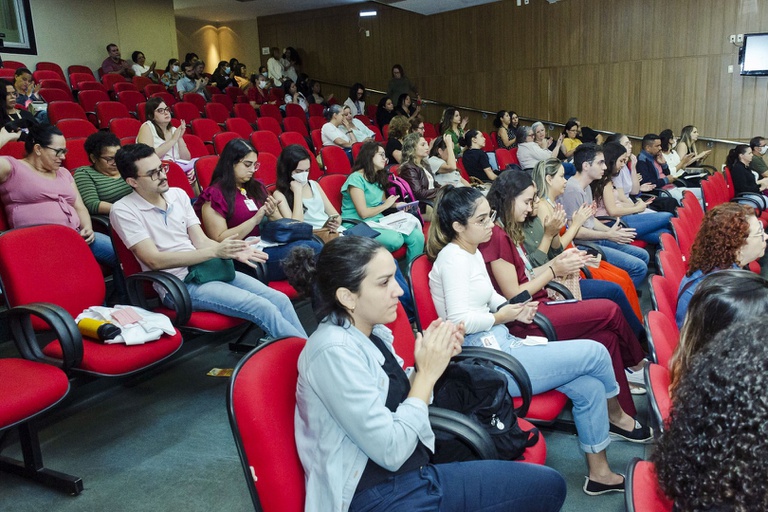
<point x="599" y="289"/>
<point x="482" y="485"/>
<point x="278" y="254"/>
<point x="633" y="260"/>
<point x="248" y="298"/>
<point x="581" y="369"/>
<point x="649" y="226"/>
<point x="102" y="250"/>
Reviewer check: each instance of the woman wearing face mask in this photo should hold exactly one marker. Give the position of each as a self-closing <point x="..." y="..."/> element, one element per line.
<point x="236" y="203"/>
<point x="300" y="198"/>
<point x="259" y="93"/>
<point x="172" y="74"/>
<point x="221" y="77"/>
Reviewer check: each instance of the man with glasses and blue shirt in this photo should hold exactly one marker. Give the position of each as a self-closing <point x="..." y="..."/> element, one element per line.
<point x="157" y="223"/>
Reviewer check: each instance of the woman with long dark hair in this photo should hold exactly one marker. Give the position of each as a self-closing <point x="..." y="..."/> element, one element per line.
<point x="236" y="203"/>
<point x="512" y="196"/>
<point x="362" y="427"/>
<point x="300" y="198"/>
<point x="463" y="293"/>
<point x="648" y="225"/>
<point x="505" y="134"/>
<point x="738" y="161"/>
<point x="168" y="141"/>
<point x="454" y="125"/>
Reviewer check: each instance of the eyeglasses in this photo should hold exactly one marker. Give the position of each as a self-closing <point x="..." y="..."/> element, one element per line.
<point x="760" y="233"/>
<point x="383" y="156"/>
<point x="249" y="164"/>
<point x="12" y="93"/>
<point x="108" y="159"/>
<point x="163" y="110"/>
<point x="154" y="174"/>
<point x="58" y="151"/>
<point x="487" y="221"/>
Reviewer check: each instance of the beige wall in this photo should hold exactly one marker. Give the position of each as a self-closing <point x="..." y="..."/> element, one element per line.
<point x="77" y="31"/>
<point x="214" y="42"/>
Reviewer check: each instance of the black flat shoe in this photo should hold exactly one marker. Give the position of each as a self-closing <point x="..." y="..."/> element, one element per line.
<point x="593" y="488"/>
<point x="640" y="434"/>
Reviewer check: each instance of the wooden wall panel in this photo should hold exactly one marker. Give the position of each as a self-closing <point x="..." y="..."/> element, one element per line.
<point x="620" y="65"/>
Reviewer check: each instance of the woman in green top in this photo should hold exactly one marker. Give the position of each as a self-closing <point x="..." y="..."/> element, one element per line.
<point x="454" y="125"/>
<point x="100" y="184"/>
<point x="363" y="198"/>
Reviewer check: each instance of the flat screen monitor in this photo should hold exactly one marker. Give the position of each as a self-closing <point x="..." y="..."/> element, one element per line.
<point x="754" y="55"/>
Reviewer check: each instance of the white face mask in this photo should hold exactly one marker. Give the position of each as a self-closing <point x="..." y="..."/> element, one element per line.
<point x="265" y="74"/>
<point x="763" y="150"/>
<point x="175" y="69"/>
<point x="262" y="84"/>
<point x="301" y="177"/>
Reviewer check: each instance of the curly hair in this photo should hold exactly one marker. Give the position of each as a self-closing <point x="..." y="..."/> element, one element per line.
<point x="398" y="127"/>
<point x="721" y="299"/>
<point x="722" y="233"/>
<point x="714" y="454"/>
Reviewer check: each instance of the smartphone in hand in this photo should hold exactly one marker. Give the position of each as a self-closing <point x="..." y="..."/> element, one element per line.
<point x="521" y="298"/>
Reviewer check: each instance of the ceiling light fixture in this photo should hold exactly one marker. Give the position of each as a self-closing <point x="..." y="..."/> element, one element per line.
<point x="368" y="14"/>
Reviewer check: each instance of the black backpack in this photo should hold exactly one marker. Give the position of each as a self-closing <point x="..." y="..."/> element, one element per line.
<point x="476" y="389"/>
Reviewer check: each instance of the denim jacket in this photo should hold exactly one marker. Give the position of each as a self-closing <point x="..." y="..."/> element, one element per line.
<point x="341" y="418"/>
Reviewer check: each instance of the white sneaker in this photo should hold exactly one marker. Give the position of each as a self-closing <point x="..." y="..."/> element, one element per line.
<point x="635" y="377"/>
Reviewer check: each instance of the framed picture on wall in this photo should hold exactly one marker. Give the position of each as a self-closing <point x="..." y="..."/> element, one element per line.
<point x="16" y="31"/>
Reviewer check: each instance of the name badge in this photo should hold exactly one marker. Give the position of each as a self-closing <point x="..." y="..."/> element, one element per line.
<point x="251" y="205"/>
<point x="489" y="341"/>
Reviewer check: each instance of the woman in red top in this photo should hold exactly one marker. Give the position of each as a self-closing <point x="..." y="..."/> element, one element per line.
<point x="512" y="196"/>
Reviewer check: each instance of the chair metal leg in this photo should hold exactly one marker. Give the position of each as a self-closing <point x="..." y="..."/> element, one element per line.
<point x="32" y="467"/>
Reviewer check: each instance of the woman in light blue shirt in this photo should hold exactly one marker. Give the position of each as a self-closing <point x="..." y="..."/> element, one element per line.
<point x="362" y="427"/>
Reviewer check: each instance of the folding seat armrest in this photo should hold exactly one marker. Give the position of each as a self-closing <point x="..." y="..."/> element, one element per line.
<point x="750" y="198"/>
<point x="560" y="288"/>
<point x="469" y="432"/>
<point x="182" y="303"/>
<point x="593" y="247"/>
<point x="102" y="221"/>
<point x="587" y="273"/>
<point x="60" y="322"/>
<point x="543" y="323"/>
<point x="510" y="365"/>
